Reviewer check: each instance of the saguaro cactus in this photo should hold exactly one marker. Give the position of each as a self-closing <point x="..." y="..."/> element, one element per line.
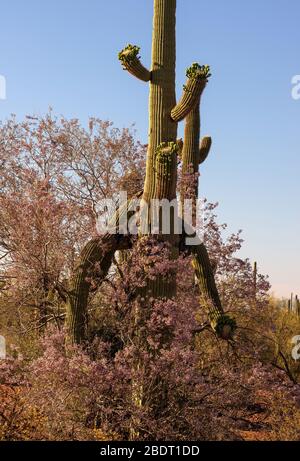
<point x="161" y="164"/>
<point x="297" y="306"/>
<point x="160" y="183"/>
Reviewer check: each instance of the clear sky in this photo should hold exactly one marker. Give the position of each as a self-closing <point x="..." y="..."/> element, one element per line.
<point x="63" y="53"/>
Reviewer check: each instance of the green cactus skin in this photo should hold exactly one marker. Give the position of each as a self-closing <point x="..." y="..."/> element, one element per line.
<point x="131" y="62"/>
<point x="160" y="183"/>
<point x="161" y="162"/>
<point x="191" y="138"/>
<point x="165" y="165"/>
<point x="162" y="90"/>
<point x="205" y="146"/>
<point x="192" y="156"/>
<point x="98" y="250"/>
<point x="192" y="90"/>
<point x="222" y="324"/>
<point x="205" y="278"/>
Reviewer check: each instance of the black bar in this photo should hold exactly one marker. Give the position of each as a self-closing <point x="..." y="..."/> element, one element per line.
<point x="135" y="450"/>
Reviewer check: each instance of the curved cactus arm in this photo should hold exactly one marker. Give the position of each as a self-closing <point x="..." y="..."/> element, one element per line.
<point x="131" y="62"/>
<point x="99" y="250"/>
<point x="97" y="254"/>
<point x="197" y="79"/>
<point x="206" y="281"/>
<point x="222" y="324"/>
<point x="204" y="148"/>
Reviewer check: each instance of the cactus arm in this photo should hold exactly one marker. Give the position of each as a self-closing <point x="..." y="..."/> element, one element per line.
<point x="131" y="62"/>
<point x="188" y="100"/>
<point x="205" y="278"/>
<point x="165" y="164"/>
<point x="222" y="324"/>
<point x="192" y="90"/>
<point x="204" y="148"/>
<point x="97" y="250"/>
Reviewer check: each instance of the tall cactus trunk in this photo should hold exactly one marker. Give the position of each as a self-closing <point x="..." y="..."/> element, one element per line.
<point x="162" y="99"/>
<point x="161" y="165"/>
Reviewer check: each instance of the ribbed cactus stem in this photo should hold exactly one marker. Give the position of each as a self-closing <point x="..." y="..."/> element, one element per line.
<point x="191" y="155"/>
<point x="204" y="276"/>
<point x="165" y="165"/>
<point x="192" y="90"/>
<point x="190" y="151"/>
<point x="100" y="251"/>
<point x="194" y="153"/>
<point x="222" y="324"/>
<point x="131" y="62"/>
<point x="162" y="88"/>
<point x="189" y="98"/>
<point x="205" y="146"/>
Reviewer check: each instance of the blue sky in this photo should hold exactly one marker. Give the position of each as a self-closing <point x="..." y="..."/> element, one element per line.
<point x="63" y="53"/>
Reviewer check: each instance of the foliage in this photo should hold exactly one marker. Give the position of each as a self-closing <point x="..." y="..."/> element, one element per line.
<point x="246" y="388"/>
